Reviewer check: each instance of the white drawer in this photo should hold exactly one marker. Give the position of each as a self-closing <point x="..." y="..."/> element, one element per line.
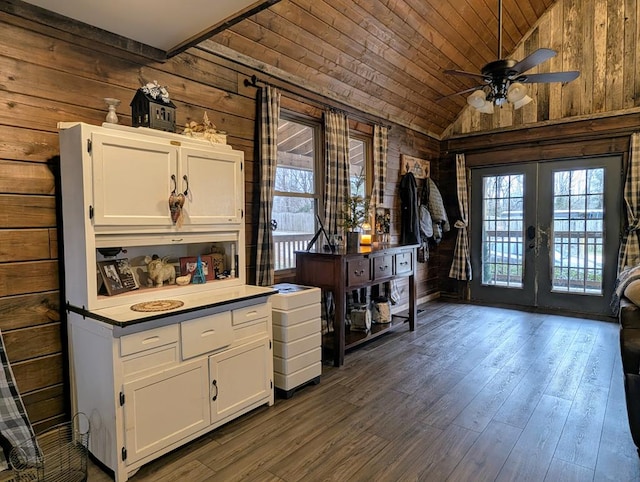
<point x="145" y="340"/>
<point x="290" y="333"/>
<point x="286" y="366"/>
<point x="251" y="313"/>
<point x="250" y="330"/>
<point x="292" y="296"/>
<point x="206" y="334"/>
<point x="298" y="315"/>
<point x="152" y="361"/>
<point x="294" y="348"/>
<point x="288" y="382"/>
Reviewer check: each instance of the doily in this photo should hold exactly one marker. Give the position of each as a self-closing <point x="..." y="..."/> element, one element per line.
<point x="157" y="305"/>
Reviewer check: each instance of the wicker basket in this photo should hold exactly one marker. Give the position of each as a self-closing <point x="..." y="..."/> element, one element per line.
<point x="57" y="455"/>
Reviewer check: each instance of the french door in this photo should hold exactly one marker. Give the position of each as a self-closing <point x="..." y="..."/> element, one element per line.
<point x="547" y="234"/>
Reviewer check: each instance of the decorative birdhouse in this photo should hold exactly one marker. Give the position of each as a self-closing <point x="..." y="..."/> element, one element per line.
<point x="151" y="107"/>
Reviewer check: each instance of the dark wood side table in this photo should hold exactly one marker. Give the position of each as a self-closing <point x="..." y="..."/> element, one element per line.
<point x="342" y="272"/>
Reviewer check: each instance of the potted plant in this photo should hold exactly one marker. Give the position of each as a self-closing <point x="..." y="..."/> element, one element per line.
<point x="355" y="213"/>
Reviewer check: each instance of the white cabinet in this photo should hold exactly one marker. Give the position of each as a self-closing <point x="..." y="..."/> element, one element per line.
<point x="164" y="408"/>
<point x="240" y="377"/>
<point x="151" y="381"/>
<point x="132" y="180"/>
<point x="134" y="171"/>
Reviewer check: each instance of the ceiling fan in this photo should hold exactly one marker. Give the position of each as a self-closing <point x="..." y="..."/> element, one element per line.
<point x="503" y="79"/>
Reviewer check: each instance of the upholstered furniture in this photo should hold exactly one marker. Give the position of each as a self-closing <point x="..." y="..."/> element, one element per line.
<point x="629" y="317"/>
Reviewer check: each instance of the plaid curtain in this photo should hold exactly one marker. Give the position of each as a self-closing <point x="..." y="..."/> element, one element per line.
<point x="461" y="266"/>
<point x="15" y="427"/>
<point x="380" y="146"/>
<point x="336" y="128"/>
<point x="629" y="254"/>
<point x="336" y="131"/>
<point x="269" y="102"/>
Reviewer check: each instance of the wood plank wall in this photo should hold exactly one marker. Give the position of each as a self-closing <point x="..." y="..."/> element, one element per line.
<point x="600" y="38"/>
<point x="48" y="76"/>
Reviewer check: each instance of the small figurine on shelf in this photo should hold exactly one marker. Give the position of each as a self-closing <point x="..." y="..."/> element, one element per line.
<point x="198" y="274"/>
<point x="152" y="107"/>
<point x="159" y="270"/>
<point x="205" y="130"/>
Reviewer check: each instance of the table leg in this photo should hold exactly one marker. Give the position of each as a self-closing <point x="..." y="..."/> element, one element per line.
<point x="412" y="303"/>
<point x="338" y="325"/>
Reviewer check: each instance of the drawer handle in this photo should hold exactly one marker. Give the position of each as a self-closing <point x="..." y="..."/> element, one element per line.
<point x="215" y="385"/>
<point x="251" y="313"/>
<point x="151" y="339"/>
<point x="358" y="273"/>
<point x="404" y="263"/>
<point x="384" y="268"/>
<point x="207" y="333"/>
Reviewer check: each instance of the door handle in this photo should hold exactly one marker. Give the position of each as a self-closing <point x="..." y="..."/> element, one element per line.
<point x="531" y="235"/>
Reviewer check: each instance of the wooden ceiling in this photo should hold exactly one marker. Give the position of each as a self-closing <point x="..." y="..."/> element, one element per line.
<point x="382" y="57"/>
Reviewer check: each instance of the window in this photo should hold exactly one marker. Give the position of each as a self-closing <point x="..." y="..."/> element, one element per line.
<point x="296" y="193"/>
<point x="357" y="166"/>
<point x="359" y="170"/>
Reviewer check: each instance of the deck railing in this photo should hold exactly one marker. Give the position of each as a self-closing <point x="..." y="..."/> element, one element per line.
<point x="285" y="246"/>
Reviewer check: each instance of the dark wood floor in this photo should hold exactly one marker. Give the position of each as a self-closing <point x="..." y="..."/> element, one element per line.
<point x="475" y="393"/>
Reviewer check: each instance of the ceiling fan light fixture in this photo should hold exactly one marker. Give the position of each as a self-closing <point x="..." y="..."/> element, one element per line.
<point x="477" y="99"/>
<point x="487" y="108"/>
<point x="517" y="95"/>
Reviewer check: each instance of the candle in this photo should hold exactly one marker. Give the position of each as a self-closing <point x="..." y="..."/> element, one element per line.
<point x="365" y="239"/>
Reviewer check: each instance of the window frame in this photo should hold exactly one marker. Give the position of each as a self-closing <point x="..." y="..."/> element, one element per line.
<point x="318" y="171"/>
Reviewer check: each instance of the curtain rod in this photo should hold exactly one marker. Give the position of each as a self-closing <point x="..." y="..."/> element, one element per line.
<point x="255" y="81"/>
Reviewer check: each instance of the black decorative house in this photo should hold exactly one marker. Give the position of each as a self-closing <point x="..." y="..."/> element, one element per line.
<point x="151" y="107"/>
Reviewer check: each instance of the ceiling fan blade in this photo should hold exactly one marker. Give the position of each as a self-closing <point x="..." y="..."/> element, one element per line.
<point x="533" y="59"/>
<point x="548" y="77"/>
<point x="466" y="74"/>
<point x="477" y="87"/>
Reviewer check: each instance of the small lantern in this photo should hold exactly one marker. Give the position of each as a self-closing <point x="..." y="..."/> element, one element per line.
<point x="151" y="107"/>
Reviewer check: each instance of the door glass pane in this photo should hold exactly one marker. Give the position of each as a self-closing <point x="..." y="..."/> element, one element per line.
<point x="502" y="231"/>
<point x="578" y="231"/>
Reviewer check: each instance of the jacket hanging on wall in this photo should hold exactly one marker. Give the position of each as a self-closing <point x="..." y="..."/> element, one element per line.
<point x="409" y="217"/>
<point x="438" y="214"/>
<point x="426" y="225"/>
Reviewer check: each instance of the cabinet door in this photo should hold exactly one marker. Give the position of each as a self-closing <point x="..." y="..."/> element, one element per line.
<point x="165" y="407"/>
<point x="132" y="181"/>
<point x="240" y="377"/>
<point x="216" y="190"/>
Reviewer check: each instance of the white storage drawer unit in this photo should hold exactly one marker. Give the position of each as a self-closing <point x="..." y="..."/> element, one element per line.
<point x="297" y="346"/>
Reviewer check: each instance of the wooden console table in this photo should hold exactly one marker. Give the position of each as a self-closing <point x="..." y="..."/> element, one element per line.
<point x="342" y="272"/>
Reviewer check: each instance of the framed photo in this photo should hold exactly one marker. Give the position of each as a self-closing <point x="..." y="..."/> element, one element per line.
<point x="188" y="265"/>
<point x="117" y="276"/>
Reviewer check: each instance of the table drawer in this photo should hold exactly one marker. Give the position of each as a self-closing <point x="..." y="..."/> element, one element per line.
<point x="382" y="267"/>
<point x="404" y="263"/>
<point x="358" y="271"/>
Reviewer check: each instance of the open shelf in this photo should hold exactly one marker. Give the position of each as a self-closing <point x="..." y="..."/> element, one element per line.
<point x="355" y="338"/>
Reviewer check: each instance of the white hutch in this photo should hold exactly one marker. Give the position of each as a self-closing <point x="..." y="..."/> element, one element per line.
<point x="150" y="381"/>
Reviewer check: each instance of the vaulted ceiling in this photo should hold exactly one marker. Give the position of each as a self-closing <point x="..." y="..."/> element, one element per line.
<point x="383" y="57"/>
